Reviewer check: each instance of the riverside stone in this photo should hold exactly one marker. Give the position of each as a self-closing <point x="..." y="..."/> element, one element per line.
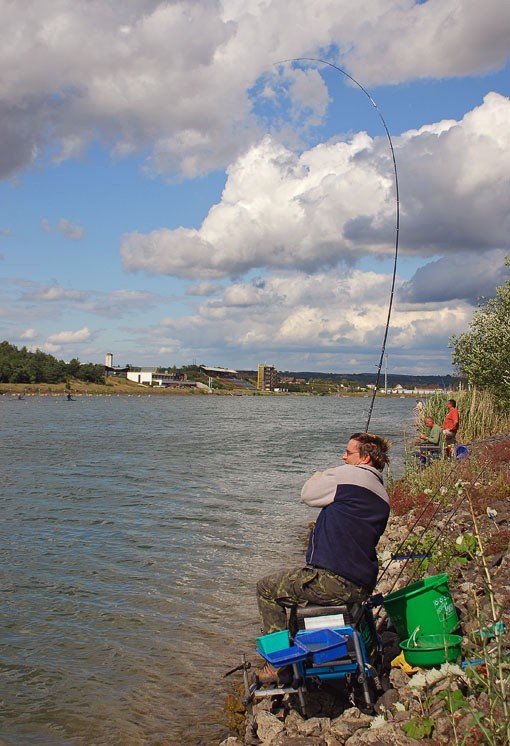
<point x="315" y="726"/>
<point x="388" y="735"/>
<point x="268" y="727"/>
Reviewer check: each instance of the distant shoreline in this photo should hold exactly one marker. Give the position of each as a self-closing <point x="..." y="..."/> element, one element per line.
<point x="17" y="391"/>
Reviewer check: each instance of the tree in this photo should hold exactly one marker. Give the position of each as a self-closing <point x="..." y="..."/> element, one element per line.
<point x="22" y="366"/>
<point x="73" y="367"/>
<point x="91" y="373"/>
<point x="482" y="355"/>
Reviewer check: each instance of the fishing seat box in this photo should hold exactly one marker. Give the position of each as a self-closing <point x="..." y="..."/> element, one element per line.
<point x="322" y="617"/>
<point x="350" y="617"/>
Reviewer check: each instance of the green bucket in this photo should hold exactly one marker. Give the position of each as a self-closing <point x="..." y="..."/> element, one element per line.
<point x="426" y="605"/>
<point x="431" y="650"/>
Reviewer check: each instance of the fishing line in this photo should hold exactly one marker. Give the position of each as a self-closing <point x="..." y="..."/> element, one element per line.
<point x="447" y="484"/>
<point x="426" y="552"/>
<point x="397" y="211"/>
<point x="460" y="501"/>
<point x="440" y="535"/>
<point x="404" y="541"/>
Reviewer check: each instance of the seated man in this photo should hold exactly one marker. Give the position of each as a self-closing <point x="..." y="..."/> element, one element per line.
<point x="433" y="437"/>
<point x="341" y="559"/>
<point x="430" y="443"/>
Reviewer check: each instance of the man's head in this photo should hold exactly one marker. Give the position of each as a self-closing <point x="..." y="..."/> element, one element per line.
<point x="451" y="403"/>
<point x="367" y="448"/>
<point x="429" y="421"/>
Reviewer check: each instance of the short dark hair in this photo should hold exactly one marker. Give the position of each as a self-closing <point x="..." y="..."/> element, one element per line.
<point x="452" y="402"/>
<point x="374" y="446"/>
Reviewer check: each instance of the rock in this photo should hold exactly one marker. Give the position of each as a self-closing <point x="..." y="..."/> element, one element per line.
<point x="263" y="705"/>
<point x="353" y="715"/>
<point x="470" y="626"/>
<point x="284" y="740"/>
<point x="388" y="735"/>
<point x="398" y="678"/>
<point x="342" y="731"/>
<point x="332" y="740"/>
<point x="387" y="700"/>
<point x="293" y="722"/>
<point x="349" y="722"/>
<point x="465" y="723"/>
<point x="268" y="727"/>
<point x="443" y="729"/>
<point x="314" y="726"/>
<point x="401" y="716"/>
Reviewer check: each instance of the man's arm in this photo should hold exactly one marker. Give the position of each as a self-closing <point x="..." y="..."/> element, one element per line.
<point x="320" y="489"/>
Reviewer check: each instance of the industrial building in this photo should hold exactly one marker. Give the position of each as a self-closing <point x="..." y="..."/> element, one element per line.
<point x="267" y="377"/>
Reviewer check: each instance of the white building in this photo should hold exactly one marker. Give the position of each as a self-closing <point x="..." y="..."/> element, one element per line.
<point x="151" y="377"/>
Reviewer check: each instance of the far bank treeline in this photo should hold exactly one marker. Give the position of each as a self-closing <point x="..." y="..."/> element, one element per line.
<point x="19" y="366"/>
<point x="23" y="366"/>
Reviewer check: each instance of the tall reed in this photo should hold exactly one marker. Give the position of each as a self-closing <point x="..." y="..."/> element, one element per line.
<point x="481" y="414"/>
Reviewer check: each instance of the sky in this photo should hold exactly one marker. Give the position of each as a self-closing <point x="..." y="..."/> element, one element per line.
<point x="215" y="182"/>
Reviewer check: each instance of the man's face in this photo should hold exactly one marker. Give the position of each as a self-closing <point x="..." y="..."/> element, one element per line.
<point x="352" y="456"/>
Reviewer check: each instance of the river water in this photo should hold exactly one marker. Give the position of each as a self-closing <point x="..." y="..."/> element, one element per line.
<point x="133" y="532"/>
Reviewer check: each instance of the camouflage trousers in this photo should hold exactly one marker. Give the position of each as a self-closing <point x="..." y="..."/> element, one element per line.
<point x="299" y="587"/>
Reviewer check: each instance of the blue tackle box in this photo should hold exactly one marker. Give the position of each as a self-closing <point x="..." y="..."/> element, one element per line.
<point x="323" y="644"/>
<point x="276" y="648"/>
<point x="287" y="657"/>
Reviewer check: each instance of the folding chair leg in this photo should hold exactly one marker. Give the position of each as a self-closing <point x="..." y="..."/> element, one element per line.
<point x="362" y="676"/>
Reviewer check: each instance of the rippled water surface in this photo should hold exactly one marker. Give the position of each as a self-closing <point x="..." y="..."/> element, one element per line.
<point x="133" y="532"/>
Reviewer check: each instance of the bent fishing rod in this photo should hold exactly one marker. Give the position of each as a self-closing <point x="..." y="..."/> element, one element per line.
<point x="397" y="213"/>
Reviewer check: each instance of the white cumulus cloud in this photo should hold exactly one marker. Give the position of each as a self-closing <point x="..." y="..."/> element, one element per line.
<point x="173" y="78"/>
<point x="29" y="334"/>
<point x="53" y="293"/>
<point x="69" y="337"/>
<point x="329" y="321"/>
<point x="335" y="203"/>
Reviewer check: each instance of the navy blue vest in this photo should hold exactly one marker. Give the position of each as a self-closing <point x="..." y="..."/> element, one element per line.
<point x="346" y="534"/>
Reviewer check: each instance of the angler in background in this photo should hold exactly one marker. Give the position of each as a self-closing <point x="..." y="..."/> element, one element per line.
<point x="418" y="407"/>
<point x="433" y="437"/>
<point x="429" y="444"/>
<point x="451" y="422"/>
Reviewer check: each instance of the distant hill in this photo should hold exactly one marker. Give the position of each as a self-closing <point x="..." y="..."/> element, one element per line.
<point x="407" y="381"/>
<point x="363" y="379"/>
